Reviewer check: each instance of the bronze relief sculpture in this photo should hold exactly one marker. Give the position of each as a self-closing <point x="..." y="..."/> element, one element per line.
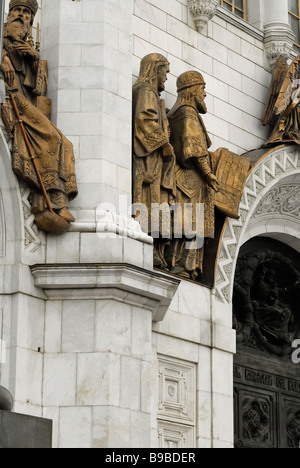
<point x="282" y="111"/>
<point x="266" y="298"/>
<point x="173" y="166"/>
<point x="42" y="157"/>
<point x="153" y="156"/>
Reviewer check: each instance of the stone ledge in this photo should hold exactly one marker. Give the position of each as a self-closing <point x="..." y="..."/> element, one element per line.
<point x="125" y="283"/>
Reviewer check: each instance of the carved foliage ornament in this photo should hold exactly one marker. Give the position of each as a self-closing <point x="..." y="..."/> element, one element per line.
<point x="202" y="11"/>
<point x="284" y="200"/>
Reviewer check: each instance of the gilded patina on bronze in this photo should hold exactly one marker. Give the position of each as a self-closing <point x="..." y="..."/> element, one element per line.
<point x="214" y="179"/>
<point x="153" y="156"/>
<point x="27" y="107"/>
<point x="282" y="111"/>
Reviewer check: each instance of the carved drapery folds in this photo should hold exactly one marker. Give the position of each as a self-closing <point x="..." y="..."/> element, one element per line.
<point x="202" y="11"/>
<point x="42" y="157"/>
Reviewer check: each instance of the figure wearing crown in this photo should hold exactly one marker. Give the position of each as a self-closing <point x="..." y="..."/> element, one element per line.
<point x="211" y="179"/>
<point x="42" y="157"/>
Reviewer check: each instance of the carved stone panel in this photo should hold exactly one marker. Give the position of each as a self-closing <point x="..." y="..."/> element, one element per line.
<point x="176" y="403"/>
<point x="256" y="420"/>
<point x="177" y="390"/>
<point x="175" y="436"/>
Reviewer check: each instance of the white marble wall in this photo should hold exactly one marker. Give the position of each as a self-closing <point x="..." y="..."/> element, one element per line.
<point x="231" y="61"/>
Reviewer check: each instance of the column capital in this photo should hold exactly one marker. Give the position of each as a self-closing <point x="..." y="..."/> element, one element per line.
<point x="202" y="11"/>
<point x="279" y="40"/>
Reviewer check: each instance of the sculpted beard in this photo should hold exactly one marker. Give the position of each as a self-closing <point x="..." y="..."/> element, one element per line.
<point x="16" y="30"/>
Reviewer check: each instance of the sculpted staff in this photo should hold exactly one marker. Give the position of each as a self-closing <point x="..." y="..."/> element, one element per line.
<point x="214" y="179"/>
<point x="153" y="156"/>
<point x="39" y="139"/>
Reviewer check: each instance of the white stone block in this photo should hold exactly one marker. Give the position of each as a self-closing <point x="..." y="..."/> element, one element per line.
<point x="227" y="112"/>
<point x="78" y="326"/>
<point x="217" y="126"/>
<point x="223" y="418"/>
<point x="204" y="370"/>
<point x="124" y="179"/>
<point x="179" y="30"/>
<point x="173" y="8"/>
<point x="27" y="310"/>
<point x="96" y="248"/>
<point x="70" y="13"/>
<point x="92" y="101"/>
<point x="140" y="424"/>
<point x="141" y="333"/>
<point x="111" y="427"/>
<point x="174" y="347"/>
<point x="194" y="300"/>
<point x="64" y="249"/>
<point x="141" y="48"/>
<point x="90" y="147"/>
<point x="75" y="427"/>
<point x="241" y="64"/>
<point x="222" y="372"/>
<point x="196" y="58"/>
<point x="113" y="327"/>
<point x="179" y="326"/>
<point x="227" y="75"/>
<point x="243" y="139"/>
<point x="204" y="416"/>
<point x="53" y="327"/>
<point x="130" y="383"/>
<point x="59" y="383"/>
<point x="28" y="386"/>
<point x="204" y="443"/>
<point x="246" y="103"/>
<point x="53" y="414"/>
<point x="212" y="48"/>
<point x="150" y="14"/>
<point x="220" y="444"/>
<point x="252" y="53"/>
<point x="70" y="55"/>
<point x="141" y="28"/>
<point x="146" y="388"/>
<point x="94" y="379"/>
<point x="226" y="38"/>
<point x="254" y="89"/>
<point x="79" y="123"/>
<point x="223" y="338"/>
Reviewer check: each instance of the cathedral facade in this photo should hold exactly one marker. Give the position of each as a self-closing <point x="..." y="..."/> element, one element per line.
<point x="100" y="332"/>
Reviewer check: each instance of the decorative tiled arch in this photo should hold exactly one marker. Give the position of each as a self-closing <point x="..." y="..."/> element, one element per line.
<point x="267" y="172"/>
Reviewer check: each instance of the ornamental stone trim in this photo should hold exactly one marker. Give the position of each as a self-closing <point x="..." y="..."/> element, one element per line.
<point x="202" y="11"/>
<point x="268" y="172"/>
<point x="279" y="40"/>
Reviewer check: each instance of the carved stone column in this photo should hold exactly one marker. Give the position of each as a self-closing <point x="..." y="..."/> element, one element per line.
<point x="202" y="11"/>
<point x="279" y="38"/>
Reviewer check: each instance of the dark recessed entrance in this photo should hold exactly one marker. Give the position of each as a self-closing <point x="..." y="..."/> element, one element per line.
<point x="266" y="313"/>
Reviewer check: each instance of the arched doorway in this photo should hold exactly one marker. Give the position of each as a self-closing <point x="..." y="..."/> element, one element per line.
<point x="265" y="243"/>
<point x="267" y="321"/>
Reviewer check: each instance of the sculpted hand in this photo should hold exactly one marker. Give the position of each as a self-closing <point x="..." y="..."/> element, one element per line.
<point x="26" y="49"/>
<point x="213" y="182"/>
<point x="9" y="71"/>
<point x="168" y="152"/>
